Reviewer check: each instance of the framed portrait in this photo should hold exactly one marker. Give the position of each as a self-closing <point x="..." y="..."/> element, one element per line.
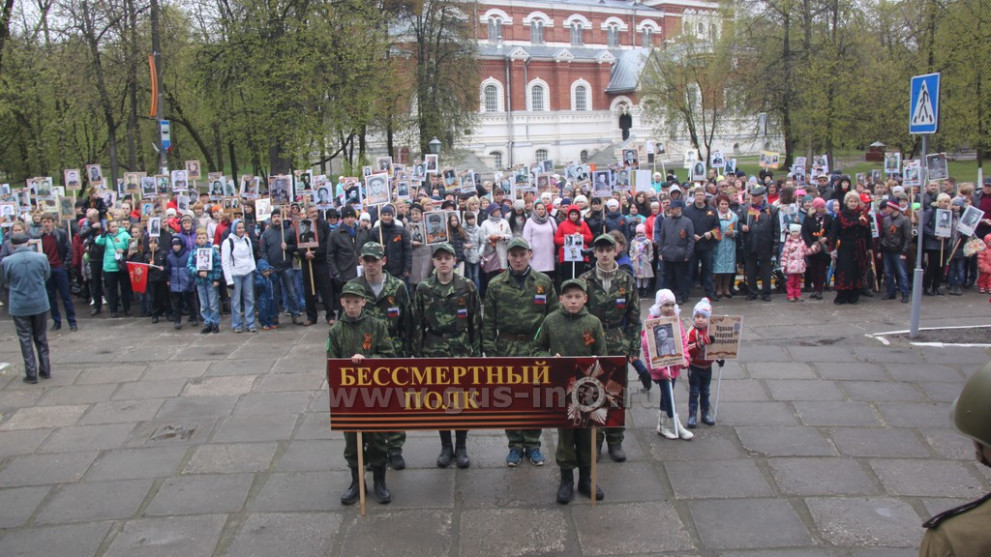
<point x="630" y="157"/>
<point x="725" y="332"/>
<point x="204" y="259"/>
<point x="44" y="189"/>
<point x="664" y="346"/>
<point x="324" y="199"/>
<point x="377" y="189"/>
<point x="543" y="182"/>
<point x="419" y="171"/>
<point x="162" y="185"/>
<point x="8" y="211"/>
<point x="430" y="163"/>
<point x="147" y="210"/>
<point x="450" y="178"/>
<point x="193" y="170"/>
<point x="573" y="245"/>
<point x="969" y="220"/>
<point x="944" y="220"/>
<point x="547" y="166"/>
<point x="892" y="163"/>
<point x="66" y="206"/>
<point x="303" y="180"/>
<point x="132" y="182"/>
<point x="936" y="164"/>
<point x="306" y="233"/>
<point x="800" y="161"/>
<point x="416" y="233"/>
<point x="352" y="192"/>
<point x="263" y="209"/>
<point x="154" y="227"/>
<point x="182" y="202"/>
<point x="109" y="198"/>
<point x="601" y="184"/>
<point x="402" y="190"/>
<point x="94" y="174"/>
<point x="467" y="182"/>
<point x="249" y="186"/>
<point x="730" y="166"/>
<point x="230" y="187"/>
<point x="912" y="173"/>
<point x="698" y="171"/>
<point x="71" y="179"/>
<point x="24" y="199"/>
<point x="383" y="164"/>
<point x="875" y="175"/>
<point x="280" y="189"/>
<point x="216" y="188"/>
<point x="691" y="156"/>
<point x="436" y="226"/>
<point x="180" y="181"/>
<point x="717" y="160"/>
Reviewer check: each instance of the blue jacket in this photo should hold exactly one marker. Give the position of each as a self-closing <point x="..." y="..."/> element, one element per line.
<point x="212" y="276"/>
<point x="25" y="272"/>
<point x="179" y="278"/>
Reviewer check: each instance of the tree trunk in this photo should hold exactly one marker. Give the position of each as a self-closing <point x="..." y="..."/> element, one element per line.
<point x="218" y="148"/>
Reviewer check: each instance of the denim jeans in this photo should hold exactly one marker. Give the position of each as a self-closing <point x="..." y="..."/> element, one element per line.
<point x="958" y="271"/>
<point x="665" y="396"/>
<point x="209" y="303"/>
<point x="244" y="286"/>
<point x="58" y="284"/>
<point x="286" y="279"/>
<point x="894" y="268"/>
<point x="472" y="271"/>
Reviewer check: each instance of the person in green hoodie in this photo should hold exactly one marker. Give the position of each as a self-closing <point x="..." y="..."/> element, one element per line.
<point x="118" y="284"/>
<point x="357" y="336"/>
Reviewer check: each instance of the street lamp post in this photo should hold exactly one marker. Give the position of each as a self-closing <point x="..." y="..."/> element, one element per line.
<point x="434" y="146"/>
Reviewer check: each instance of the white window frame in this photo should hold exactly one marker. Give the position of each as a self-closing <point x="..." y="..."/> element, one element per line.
<point x="496" y="159"/>
<point x="540" y="155"/>
<point x="574" y="95"/>
<point x="537" y="26"/>
<point x="545" y="96"/>
<point x="494" y="21"/>
<point x="500" y="95"/>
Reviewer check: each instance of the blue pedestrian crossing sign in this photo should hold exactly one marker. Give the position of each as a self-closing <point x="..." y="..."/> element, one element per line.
<point x="923" y="108"/>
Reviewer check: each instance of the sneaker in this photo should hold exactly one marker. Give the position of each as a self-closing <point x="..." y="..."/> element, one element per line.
<point x="216" y="329"/>
<point x="515" y="457"/>
<point x="238" y="330"/>
<point x="252" y="330"/>
<point x="536" y="457"/>
<point x="265" y="327"/>
<point x="207" y="329"/>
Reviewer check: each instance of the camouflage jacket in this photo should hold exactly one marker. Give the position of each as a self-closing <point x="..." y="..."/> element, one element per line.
<point x="619" y="311"/>
<point x="447" y="319"/>
<point x="393" y="306"/>
<point x="578" y="334"/>
<point x="363" y="335"/>
<point x="512" y="313"/>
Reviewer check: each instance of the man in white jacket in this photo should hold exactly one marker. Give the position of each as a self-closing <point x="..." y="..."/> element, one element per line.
<point x="237" y="258"/>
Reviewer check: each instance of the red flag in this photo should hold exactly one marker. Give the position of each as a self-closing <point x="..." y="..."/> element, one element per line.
<point x="139" y="276"/>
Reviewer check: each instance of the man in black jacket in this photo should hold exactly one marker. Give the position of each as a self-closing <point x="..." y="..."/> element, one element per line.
<point x="91" y="229"/>
<point x="277" y="245"/>
<point x="705" y="221"/>
<point x="896" y="237"/>
<point x="316" y="273"/>
<point x="396" y="241"/>
<point x="760" y="238"/>
<point x="344" y="249"/>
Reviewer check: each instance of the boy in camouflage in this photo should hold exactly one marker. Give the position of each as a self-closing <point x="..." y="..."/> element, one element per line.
<point x="358" y="335"/>
<point x="388" y="301"/>
<point x="556" y="337"/>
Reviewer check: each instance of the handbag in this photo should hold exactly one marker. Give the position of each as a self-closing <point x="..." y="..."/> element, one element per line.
<point x="490" y="260"/>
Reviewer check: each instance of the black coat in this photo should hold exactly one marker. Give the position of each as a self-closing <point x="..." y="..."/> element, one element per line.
<point x="343" y="252"/>
<point x="398" y="250"/>
<point x="765" y="230"/>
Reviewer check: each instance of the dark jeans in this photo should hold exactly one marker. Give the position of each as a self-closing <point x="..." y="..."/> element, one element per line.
<point x="677" y="278"/>
<point x="118" y="290"/>
<point x="60" y="281"/>
<point x="894" y="268"/>
<point x="96" y="283"/>
<point x="321" y="278"/>
<point x="31" y="335"/>
<point x="182" y="302"/>
<point x="705" y="259"/>
<point x="698" y="389"/>
<point x="286" y="278"/>
<point x="758" y="264"/>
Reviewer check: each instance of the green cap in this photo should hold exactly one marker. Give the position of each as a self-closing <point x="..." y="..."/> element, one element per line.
<point x="971" y="412"/>
<point x="354" y="289"/>
<point x="444" y="246"/>
<point x="372" y="249"/>
<point x="519" y="243"/>
<point x="577" y="283"/>
<point x="605" y="239"/>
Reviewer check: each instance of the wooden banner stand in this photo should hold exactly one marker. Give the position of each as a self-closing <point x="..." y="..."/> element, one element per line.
<point x="313" y="285"/>
<point x="361" y="471"/>
<point x="593" y="450"/>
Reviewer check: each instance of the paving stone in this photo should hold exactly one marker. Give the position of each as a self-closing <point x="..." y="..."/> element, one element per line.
<point x="877" y="442"/>
<point x="154" y="352"/>
<point x="893" y="354"/>
<point x="247" y="368"/>
<point x="110" y="373"/>
<point x="522" y="486"/>
<point x="289" y="382"/>
<point x="77" y="540"/>
<point x="46" y="469"/>
<point x="756" y="413"/>
<point x="193" y="536"/>
<point x="780" y="370"/>
<point x="37" y="417"/>
<point x="821" y="354"/>
<point x="162" y="371"/>
<point x="784" y="553"/>
<point x="272" y="403"/>
<point x="92" y="501"/>
<point x="149" y="389"/>
<point x="784" y="441"/>
<point x="219" y="386"/>
<point x="915" y="414"/>
<point x="717" y="478"/>
<point x="851" y="371"/>
<point x="939" y="391"/>
<point x="532" y="532"/>
<point x="87" y="438"/>
<point x="748" y="523"/>
<point x="207" y="352"/>
<point x="316" y="425"/>
<point x="836" y="414"/>
<point x="429" y="489"/>
<point x="302" y="491"/>
<point x="926" y="478"/>
<point x="192" y="407"/>
<point x="159" y="433"/>
<point x="260" y="427"/>
<point x="296" y="534"/>
<point x="411" y="533"/>
<point x="937" y="505"/>
<point x="924" y="372"/>
<point x="627" y="482"/>
<point x="791" y="389"/>
<point x="621" y="528"/>
<point x="866" y="521"/>
<point x="763" y="352"/>
<point x="737" y="391"/>
<point x="949" y="444"/>
<point x="158" y="462"/>
<point x="958" y="355"/>
<point x="821" y="476"/>
<point x="253" y="351"/>
<point x="77" y="394"/>
<point x="715" y="445"/>
<point x="11" y="399"/>
<point x="22" y="442"/>
<point x="202" y="493"/>
<point x="122" y="411"/>
<point x="17" y="504"/>
<point x="302" y="455"/>
<point x="878" y="391"/>
<point x="230" y="458"/>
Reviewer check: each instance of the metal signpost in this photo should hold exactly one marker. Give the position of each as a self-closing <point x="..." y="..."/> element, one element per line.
<point x="923" y="119"/>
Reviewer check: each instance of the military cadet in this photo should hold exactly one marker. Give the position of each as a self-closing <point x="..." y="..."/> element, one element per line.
<point x="613" y="298"/>
<point x="447" y="322"/>
<point x="389" y="301"/>
<point x="516" y="303"/>
<point x="559" y="335"/>
<point x="358" y="335"/>
<point x="964" y="530"/>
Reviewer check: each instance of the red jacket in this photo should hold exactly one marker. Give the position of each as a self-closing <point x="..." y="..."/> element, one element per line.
<point x="696" y="347"/>
<point x="568" y="228"/>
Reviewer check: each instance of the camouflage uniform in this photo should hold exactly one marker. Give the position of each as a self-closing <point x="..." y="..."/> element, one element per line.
<point x="392" y="306"/>
<point x="619" y="311"/>
<point x="512" y="312"/>
<point x="558" y="335"/>
<point x="447" y="319"/>
<point x="368" y="336"/>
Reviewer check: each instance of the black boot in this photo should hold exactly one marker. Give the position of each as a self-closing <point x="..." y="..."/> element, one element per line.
<point x="617" y="453"/>
<point x="382" y="493"/>
<point x="351" y="494"/>
<point x="566" y="491"/>
<point x="693" y="420"/>
<point x="707" y="418"/>
<point x="461" y="449"/>
<point x="585" y="484"/>
<point x="446" y="450"/>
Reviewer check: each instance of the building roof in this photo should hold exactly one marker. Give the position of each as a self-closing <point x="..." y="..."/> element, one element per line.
<point x="627" y="70"/>
<point x="628" y="63"/>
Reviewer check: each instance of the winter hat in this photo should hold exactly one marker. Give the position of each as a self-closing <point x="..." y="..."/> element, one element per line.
<point x="387" y="210"/>
<point x="491" y="208"/>
<point x="612" y="204"/>
<point x="806" y="199"/>
<point x="365" y="216"/>
<point x="170" y="212"/>
<point x="704" y="307"/>
<point x="677" y="204"/>
<point x="581" y="199"/>
<point x="895" y="206"/>
<point x="818" y="203"/>
<point x="177" y="241"/>
<point x="794" y="227"/>
<point x="641" y="228"/>
<point x="519" y="204"/>
<point x="263" y="265"/>
<point x="663" y="296"/>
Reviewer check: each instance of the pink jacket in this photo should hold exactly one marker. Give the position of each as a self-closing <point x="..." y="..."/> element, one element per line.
<point x="665" y="373"/>
<point x="793" y="256"/>
<point x="984" y="258"/>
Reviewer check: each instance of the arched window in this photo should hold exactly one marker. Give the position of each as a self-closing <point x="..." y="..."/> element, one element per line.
<point x="540" y="155"/>
<point x="537" y="32"/>
<point x="648" y="37"/>
<point x="495" y="29"/>
<point x="612" y="36"/>
<point x="491" y="98"/>
<point x="576" y="34"/>
<point x="583" y="156"/>
<point x="581" y="98"/>
<point x="537" y="98"/>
